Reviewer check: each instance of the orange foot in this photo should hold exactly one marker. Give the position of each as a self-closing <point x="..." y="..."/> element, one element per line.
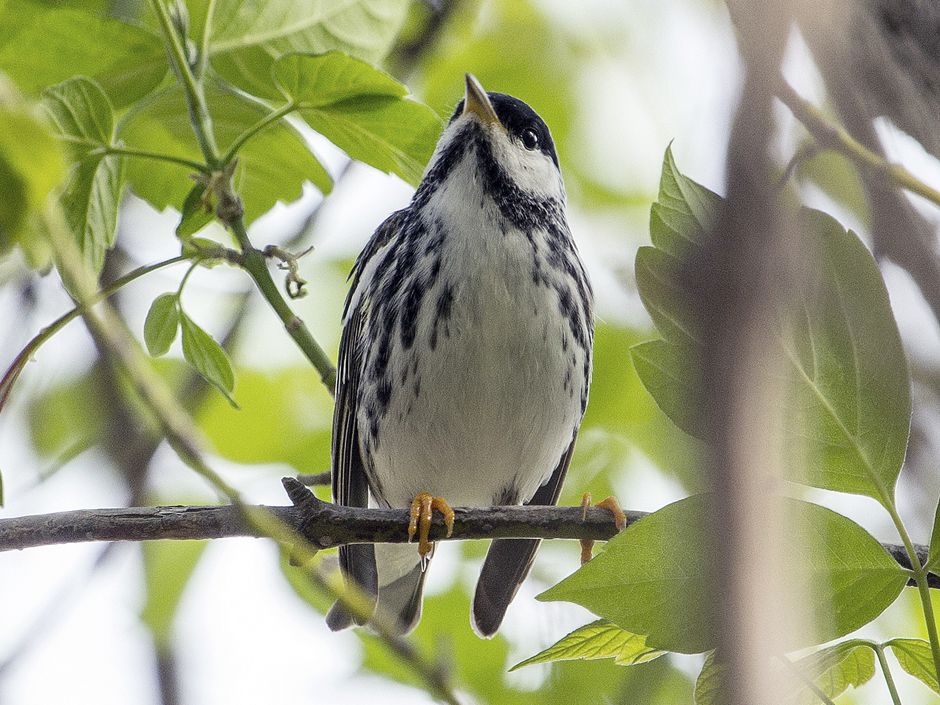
<point x="422" y="507"/>
<point x="610" y="504"/>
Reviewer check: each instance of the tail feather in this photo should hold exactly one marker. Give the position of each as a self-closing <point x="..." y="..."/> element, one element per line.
<point x="400" y="599"/>
<point x="507" y="563"/>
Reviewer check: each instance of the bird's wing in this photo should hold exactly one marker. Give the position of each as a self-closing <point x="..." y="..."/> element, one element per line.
<point x="350" y="482"/>
<point x="508" y="561"/>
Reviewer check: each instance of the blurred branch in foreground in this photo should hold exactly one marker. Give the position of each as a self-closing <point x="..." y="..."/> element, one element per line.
<point x="324" y="524"/>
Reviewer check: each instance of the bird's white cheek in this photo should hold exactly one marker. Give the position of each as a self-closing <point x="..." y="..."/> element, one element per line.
<point x="530" y="170"/>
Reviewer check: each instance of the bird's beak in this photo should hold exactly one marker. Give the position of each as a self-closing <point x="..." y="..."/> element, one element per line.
<point x="476" y="101"/>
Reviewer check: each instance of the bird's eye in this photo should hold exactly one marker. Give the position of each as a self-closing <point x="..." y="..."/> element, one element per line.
<point x="530" y="138"/>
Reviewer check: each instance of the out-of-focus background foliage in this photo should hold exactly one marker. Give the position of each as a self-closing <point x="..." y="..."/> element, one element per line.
<point x="230" y="622"/>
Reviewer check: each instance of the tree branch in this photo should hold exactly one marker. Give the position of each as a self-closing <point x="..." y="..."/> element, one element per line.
<point x="323" y="524"/>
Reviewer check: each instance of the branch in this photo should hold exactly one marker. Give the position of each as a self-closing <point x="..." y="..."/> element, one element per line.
<point x="833" y="136"/>
<point x="323" y="524"/>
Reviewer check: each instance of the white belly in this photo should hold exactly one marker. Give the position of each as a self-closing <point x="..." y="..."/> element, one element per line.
<point x="499" y="396"/>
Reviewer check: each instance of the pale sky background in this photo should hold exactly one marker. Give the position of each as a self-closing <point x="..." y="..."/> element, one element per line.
<point x="244" y="636"/>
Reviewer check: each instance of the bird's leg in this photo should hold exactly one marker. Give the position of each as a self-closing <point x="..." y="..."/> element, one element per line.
<point x="611" y="505"/>
<point x="422" y="507"/>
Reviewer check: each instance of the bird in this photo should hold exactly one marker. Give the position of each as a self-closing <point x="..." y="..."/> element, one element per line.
<point x="465" y="356"/>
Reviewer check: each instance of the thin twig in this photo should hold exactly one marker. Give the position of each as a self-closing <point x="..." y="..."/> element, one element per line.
<point x="832" y="136"/>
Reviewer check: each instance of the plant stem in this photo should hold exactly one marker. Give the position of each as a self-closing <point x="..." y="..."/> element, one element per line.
<point x="254" y="261"/>
<point x="204" y="40"/>
<point x="836" y="137"/>
<point x="889" y="679"/>
<point x="144" y="154"/>
<point x="250" y="132"/>
<point x="257" y="267"/>
<point x="923" y="589"/>
<point x="195" y="98"/>
<point x="13" y="372"/>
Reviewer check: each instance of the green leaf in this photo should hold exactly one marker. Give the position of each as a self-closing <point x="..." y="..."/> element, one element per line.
<point x="708" y="682"/>
<point x="194" y="215"/>
<point x="849" y="406"/>
<point x="850" y="576"/>
<point x="168" y="566"/>
<point x="933" y="560"/>
<point x="916" y="658"/>
<point x="162" y="323"/>
<point x="361" y="110"/>
<point x="847" y="403"/>
<point x="658" y="277"/>
<point x="286" y="417"/>
<point x="599" y="639"/>
<point x="832" y="670"/>
<point x="683" y="213"/>
<point x="668" y="373"/>
<point x="44" y="44"/>
<point x="207" y="357"/>
<point x="31" y="166"/>
<point x="246" y="38"/>
<point x="272" y="166"/>
<point x="84" y="119"/>
<point x="67" y="418"/>
<point x="318" y="80"/>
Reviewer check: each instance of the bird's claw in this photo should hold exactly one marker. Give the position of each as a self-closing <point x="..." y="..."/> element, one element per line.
<point x="611" y="505"/>
<point x="422" y="508"/>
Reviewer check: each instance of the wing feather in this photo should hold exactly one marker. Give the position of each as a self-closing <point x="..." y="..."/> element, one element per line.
<point x="350" y="483"/>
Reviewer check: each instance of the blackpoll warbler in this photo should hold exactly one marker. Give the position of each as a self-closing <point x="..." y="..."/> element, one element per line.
<point x="465" y="356"/>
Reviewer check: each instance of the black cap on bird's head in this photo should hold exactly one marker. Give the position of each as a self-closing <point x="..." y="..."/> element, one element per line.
<point x="515" y="118"/>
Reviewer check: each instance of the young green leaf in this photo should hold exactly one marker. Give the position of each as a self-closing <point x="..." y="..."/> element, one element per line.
<point x="849" y="575"/>
<point x="44" y="43"/>
<point x="599" y="639"/>
<point x="272" y="165"/>
<point x="161" y="324"/>
<point x="207" y="357"/>
<point x="362" y="110"/>
<point x="916" y="658"/>
<point x="244" y="38"/>
<point x="84" y="119"/>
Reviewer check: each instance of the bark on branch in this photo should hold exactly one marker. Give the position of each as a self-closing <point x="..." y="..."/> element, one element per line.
<point x="325" y="525"/>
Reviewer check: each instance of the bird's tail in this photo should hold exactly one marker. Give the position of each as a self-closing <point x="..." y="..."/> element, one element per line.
<point x="401" y="589"/>
<point x="507" y="563"/>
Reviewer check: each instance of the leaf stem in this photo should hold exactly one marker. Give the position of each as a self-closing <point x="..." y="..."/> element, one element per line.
<point x="889" y="679"/>
<point x="157" y="156"/>
<point x="13" y="372"/>
<point x="250" y="132"/>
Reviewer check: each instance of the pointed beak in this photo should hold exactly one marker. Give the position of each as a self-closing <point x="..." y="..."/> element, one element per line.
<point x="476" y="101"/>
